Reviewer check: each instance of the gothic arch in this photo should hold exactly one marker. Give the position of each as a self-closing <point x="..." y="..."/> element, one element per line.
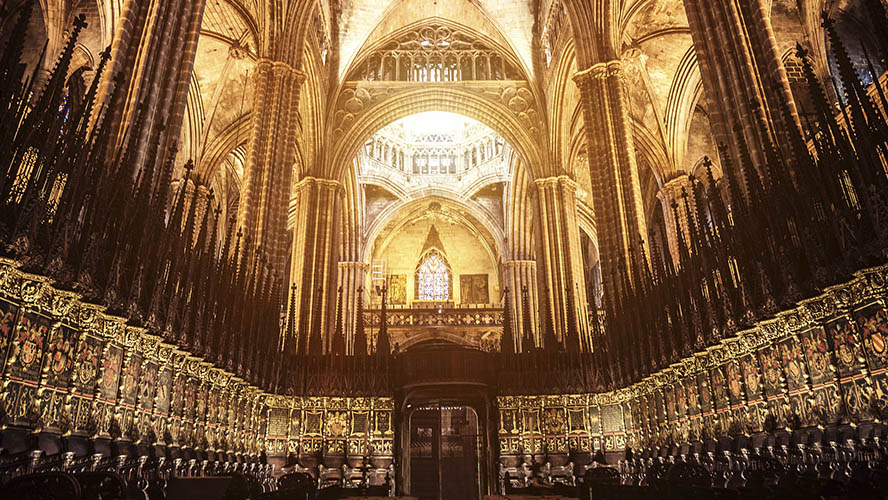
<point x="564" y="108"/>
<point x="283" y="29"/>
<point x="222" y="144"/>
<point x="365" y="108"/>
<point x="685" y="91"/>
<point x="432" y="256"/>
<point x="497" y="46"/>
<point x="596" y="30"/>
<point x="650" y="149"/>
<point x="471" y="215"/>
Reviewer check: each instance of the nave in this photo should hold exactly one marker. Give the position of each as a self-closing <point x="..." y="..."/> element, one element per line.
<point x="443" y="249"/>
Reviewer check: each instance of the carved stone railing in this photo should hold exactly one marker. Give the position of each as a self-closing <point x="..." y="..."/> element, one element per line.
<point x="468" y="326"/>
<point x="426" y="317"/>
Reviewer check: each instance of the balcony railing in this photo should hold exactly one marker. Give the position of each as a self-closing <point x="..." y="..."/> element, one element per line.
<point x="444" y="316"/>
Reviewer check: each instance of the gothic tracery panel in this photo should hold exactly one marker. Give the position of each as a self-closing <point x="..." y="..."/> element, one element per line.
<point x="435" y="53"/>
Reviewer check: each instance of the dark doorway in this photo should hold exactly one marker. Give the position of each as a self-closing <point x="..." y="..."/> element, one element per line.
<point x="445" y="447"/>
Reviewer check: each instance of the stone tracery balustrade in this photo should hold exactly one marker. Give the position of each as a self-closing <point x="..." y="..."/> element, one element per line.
<point x="435" y="53"/>
<point x="445" y="316"/>
<point x="480" y="327"/>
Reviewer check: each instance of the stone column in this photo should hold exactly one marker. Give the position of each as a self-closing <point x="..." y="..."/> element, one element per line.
<point x="743" y="75"/>
<point x="672" y="193"/>
<point x="201" y="206"/>
<point x="262" y="211"/>
<point x="152" y="57"/>
<point x="351" y="278"/>
<point x="561" y="256"/>
<point x="315" y="253"/>
<point x="616" y="191"/>
<point x="517" y="275"/>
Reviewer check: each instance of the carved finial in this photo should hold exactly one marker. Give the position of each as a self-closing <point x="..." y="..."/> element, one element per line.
<point x="80" y="21"/>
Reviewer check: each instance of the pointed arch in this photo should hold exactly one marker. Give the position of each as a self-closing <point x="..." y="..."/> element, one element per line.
<point x="433" y="277"/>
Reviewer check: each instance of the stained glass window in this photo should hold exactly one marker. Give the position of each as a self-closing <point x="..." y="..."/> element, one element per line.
<point x="433" y="278"/>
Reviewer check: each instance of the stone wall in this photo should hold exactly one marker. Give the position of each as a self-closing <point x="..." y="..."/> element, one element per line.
<point x="465" y="250"/>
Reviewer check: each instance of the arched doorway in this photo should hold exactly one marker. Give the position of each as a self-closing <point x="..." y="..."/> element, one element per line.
<point x="445" y="449"/>
<point x="444" y="444"/>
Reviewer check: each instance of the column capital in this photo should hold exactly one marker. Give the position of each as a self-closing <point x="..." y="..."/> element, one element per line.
<point x="560" y="180"/>
<point x="280" y="68"/>
<point x="519" y="262"/>
<point x="308" y="182"/>
<point x="599" y="71"/>
<point x="361" y="266"/>
<point x="671" y="190"/>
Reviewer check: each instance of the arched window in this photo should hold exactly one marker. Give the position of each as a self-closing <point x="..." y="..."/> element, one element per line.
<point x="433" y="278"/>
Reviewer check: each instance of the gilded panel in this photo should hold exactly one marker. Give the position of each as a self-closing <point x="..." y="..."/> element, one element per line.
<point x="397" y="289"/>
<point x="360" y="423"/>
<point x="8" y="317"/>
<point x="29" y="344"/>
<point x="86" y="365"/>
<point x="612" y="418"/>
<point x="734" y="382"/>
<point x="872" y="322"/>
<point x="177" y="395"/>
<point x="111" y="371"/>
<point x="817" y="354"/>
<point x="473" y="289"/>
<point x="148" y="386"/>
<point x="129" y="385"/>
<point x="278" y="421"/>
<point x="705" y="393"/>
<point x="313" y="420"/>
<point x="669" y="397"/>
<point x="856" y="401"/>
<point x="719" y="388"/>
<point x="751" y="378"/>
<point x="577" y="420"/>
<point x="792" y="358"/>
<point x="336" y="424"/>
<point x="164" y="387"/>
<point x="845" y="345"/>
<point x="60" y="357"/>
<point x="772" y="371"/>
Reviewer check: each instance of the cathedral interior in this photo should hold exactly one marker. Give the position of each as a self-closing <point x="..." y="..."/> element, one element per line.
<point x="443" y="249"/>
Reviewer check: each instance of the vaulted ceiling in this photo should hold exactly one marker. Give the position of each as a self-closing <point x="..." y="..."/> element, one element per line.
<point x="666" y="102"/>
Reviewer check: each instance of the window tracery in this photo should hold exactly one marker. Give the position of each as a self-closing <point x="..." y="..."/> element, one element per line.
<point x="435" y="53"/>
<point x="433" y="278"/>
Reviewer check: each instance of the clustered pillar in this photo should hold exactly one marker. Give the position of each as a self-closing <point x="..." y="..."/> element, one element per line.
<point x="746" y="85"/>
<point x="351" y="279"/>
<point x="616" y="191"/>
<point x="561" y="255"/>
<point x="315" y="255"/>
<point x="673" y="196"/>
<point x="262" y="213"/>
<point x="147" y="81"/>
